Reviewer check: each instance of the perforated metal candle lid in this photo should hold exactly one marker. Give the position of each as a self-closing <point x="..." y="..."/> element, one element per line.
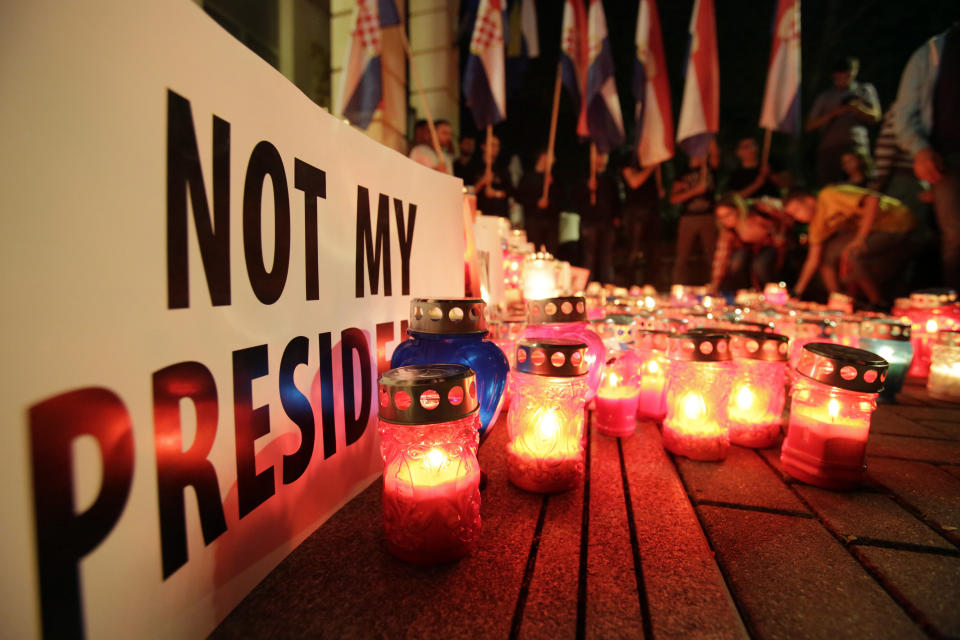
<point x="843" y="367"/>
<point x="948" y="338"/>
<point x="702" y="345"/>
<point x="448" y="315"/>
<point x="553" y="357"/>
<point x="813" y="327"/>
<point x="427" y="393"/>
<point x="556" y="310"/>
<point x="619" y="326"/>
<point x="759" y="345"/>
<point x="927" y="298"/>
<point x="885" y="329"/>
<point x="652" y="340"/>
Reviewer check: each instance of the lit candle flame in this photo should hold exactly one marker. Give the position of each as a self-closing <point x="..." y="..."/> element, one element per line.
<point x="693" y="406"/>
<point x="653" y="367"/>
<point x="931" y="326"/>
<point x="833" y="408"/>
<point x="547" y="427"/>
<point x="744" y="398"/>
<point x="435" y="459"/>
<point x="614" y="380"/>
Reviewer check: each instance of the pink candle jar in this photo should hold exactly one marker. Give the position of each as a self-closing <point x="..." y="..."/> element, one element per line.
<point x="566" y="318"/>
<point x="929" y="311"/>
<point x="698" y="385"/>
<point x="810" y="329"/>
<point x="429" y="434"/>
<point x="758" y="394"/>
<point x="652" y="364"/>
<point x="944" y="380"/>
<point x="776" y="293"/>
<point x="545" y="453"/>
<point x="834" y="394"/>
<point x="619" y="393"/>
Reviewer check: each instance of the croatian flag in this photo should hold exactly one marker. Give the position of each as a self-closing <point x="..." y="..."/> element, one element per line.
<point x="700" y="109"/>
<point x="651" y="89"/>
<point x="781" y="101"/>
<point x="484" y="80"/>
<point x="362" y="88"/>
<point x="573" y="59"/>
<point x="604" y="118"/>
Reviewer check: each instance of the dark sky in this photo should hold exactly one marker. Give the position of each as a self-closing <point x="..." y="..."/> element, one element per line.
<point x="882" y="33"/>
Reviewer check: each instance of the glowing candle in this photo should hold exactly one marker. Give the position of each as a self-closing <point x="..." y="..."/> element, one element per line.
<point x="565" y="318"/>
<point x="619" y="394"/>
<point x="757" y="397"/>
<point x="697" y="390"/>
<point x="429" y="436"/>
<point x="833" y="397"/>
<point x="944" y="380"/>
<point x="810" y="328"/>
<point x="652" y="365"/>
<point x="545" y="452"/>
<point x="540" y="277"/>
<point x="889" y="339"/>
<point x="776" y="293"/>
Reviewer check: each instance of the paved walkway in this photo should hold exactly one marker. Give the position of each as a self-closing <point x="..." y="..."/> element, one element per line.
<point x="653" y="546"/>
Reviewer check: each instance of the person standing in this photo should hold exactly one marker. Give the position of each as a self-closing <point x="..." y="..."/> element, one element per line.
<point x="927" y="126"/>
<point x="842" y="114"/>
<point x="493" y="187"/>
<point x="423" y="151"/>
<point x="540" y="215"/>
<point x="749" y="179"/>
<point x="695" y="191"/>
<point x="598" y="203"/>
<point x="641" y="214"/>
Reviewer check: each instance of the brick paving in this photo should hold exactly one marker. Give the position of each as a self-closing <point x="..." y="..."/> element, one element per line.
<point x="657" y="546"/>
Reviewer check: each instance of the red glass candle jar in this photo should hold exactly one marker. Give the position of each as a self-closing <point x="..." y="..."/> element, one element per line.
<point x="944" y="380"/>
<point x="653" y="364"/>
<point x="429" y="435"/>
<point x="929" y="311"/>
<point x="566" y="318"/>
<point x="758" y="394"/>
<point x="545" y="453"/>
<point x="619" y="393"/>
<point x="697" y="389"/>
<point x="834" y="394"/>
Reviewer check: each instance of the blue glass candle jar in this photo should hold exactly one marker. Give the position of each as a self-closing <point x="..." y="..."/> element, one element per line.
<point x="889" y="339"/>
<point x="453" y="330"/>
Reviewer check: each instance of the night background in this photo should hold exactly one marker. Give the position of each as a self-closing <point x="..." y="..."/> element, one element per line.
<point x="881" y="33"/>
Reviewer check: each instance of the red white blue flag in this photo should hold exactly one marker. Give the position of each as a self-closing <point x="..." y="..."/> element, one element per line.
<point x="781" y="101"/>
<point x="604" y="117"/>
<point x="573" y="59"/>
<point x="651" y="89"/>
<point x="700" y="109"/>
<point x="484" y="79"/>
<point x="362" y="89"/>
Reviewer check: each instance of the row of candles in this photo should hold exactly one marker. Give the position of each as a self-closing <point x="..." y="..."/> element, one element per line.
<point x="710" y="374"/>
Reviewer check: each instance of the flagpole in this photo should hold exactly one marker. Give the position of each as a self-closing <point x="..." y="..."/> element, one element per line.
<point x="547" y="176"/>
<point x="593" y="173"/>
<point x="660" y="191"/>
<point x="423" y="100"/>
<point x="766" y="147"/>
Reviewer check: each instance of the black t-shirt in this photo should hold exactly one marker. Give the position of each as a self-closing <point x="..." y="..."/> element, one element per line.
<point x="742" y="177"/>
<point x="607" y="202"/>
<point x="496" y="206"/>
<point x="529" y="192"/>
<point x="646" y="196"/>
<point x="703" y="203"/>
<point x="946" y="96"/>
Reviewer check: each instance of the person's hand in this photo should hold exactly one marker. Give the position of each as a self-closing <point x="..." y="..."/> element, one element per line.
<point x="543" y="203"/>
<point x="592" y="183"/>
<point x="928" y="165"/>
<point x="853" y="249"/>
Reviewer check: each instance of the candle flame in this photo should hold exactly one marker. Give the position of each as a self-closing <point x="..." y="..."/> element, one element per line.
<point x="931" y="326"/>
<point x="693" y="406"/>
<point x="435" y="459"/>
<point x="744" y="398"/>
<point x="548" y="427"/>
<point x="653" y="367"/>
<point x="833" y="408"/>
<point x="614" y="380"/>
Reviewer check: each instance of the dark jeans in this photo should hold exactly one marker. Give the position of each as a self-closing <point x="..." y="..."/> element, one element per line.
<point x="749" y="268"/>
<point x="690" y="227"/>
<point x="946" y="202"/>
<point x="596" y="251"/>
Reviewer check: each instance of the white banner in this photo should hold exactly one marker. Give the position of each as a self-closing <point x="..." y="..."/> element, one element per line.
<point x="195" y="257"/>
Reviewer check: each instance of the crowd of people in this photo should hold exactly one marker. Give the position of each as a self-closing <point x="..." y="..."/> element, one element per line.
<point x="869" y="228"/>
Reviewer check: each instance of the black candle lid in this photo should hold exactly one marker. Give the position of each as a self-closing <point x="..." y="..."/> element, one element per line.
<point x="652" y="340"/>
<point x="427" y="393"/>
<point x="813" y="327"/>
<point x="843" y="367"/>
<point x="760" y="345"/>
<point x="885" y="329"/>
<point x="552" y="357"/>
<point x="555" y="310"/>
<point x="700" y="345"/>
<point x="448" y="315"/>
